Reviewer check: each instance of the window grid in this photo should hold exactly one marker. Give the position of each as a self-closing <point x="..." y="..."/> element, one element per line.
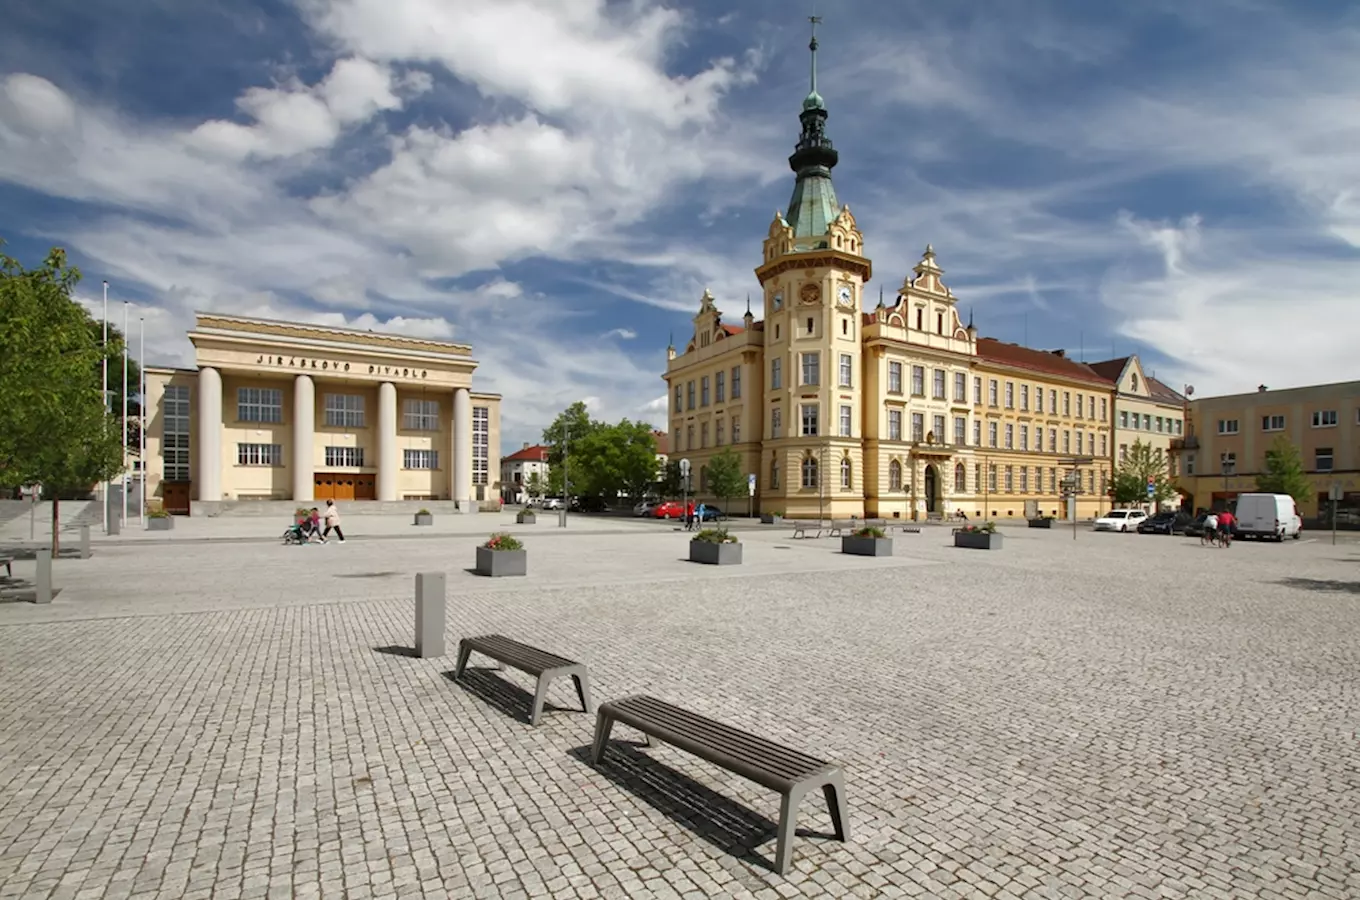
<point x="918" y="427"/>
<point x="420" y="459"/>
<point x="259" y="405"/>
<point x="175" y="433"/>
<point x="812" y="368"/>
<point x="938" y="384"/>
<point x="345" y="457"/>
<point x="344" y="411"/>
<point x="720" y="388"/>
<point x="423" y="415"/>
<point x="846" y="369"/>
<point x="259" y="454"/>
<point x="845" y="421"/>
<point x="809" y="420"/>
<point x="481" y="445"/>
<point x="894" y="425"/>
<point x="918" y="381"/>
<point x="1324" y="418"/>
<point x="894" y="378"/>
<point x="776" y="374"/>
<point x="736" y="382"/>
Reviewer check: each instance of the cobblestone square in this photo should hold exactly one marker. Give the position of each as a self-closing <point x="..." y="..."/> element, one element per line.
<point x="1108" y="716"/>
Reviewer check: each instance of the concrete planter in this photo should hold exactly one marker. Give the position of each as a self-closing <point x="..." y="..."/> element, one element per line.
<point x="1040" y="523"/>
<point x="502" y="563"/>
<point x="866" y="546"/>
<point x="770" y="519"/>
<point x="978" y="540"/>
<point x="166" y="523"/>
<point x="426" y="519"/>
<point x="715" y="554"/>
<point x="525" y="518"/>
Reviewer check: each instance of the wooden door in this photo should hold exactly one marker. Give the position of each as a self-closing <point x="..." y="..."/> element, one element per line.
<point x="323" y="487"/>
<point x="175" y="497"/>
<point x="365" y="487"/>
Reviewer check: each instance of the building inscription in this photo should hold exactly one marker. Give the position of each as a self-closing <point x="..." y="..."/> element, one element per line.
<point x="328" y="365"/>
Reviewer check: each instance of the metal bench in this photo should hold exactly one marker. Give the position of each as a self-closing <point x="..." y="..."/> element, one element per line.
<point x="801" y="527"/>
<point x="539" y="663"/>
<point x="840" y="529"/>
<point x="771" y="765"/>
<point x="8" y="563"/>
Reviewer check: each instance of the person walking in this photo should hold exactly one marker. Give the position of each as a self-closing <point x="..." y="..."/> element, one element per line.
<point x="699" y="516"/>
<point x="333" y="522"/>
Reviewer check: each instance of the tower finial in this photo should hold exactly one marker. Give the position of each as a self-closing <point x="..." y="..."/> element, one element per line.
<point x="812" y="45"/>
<point x="671" y="344"/>
<point x="748" y="303"/>
<point x="970" y="317"/>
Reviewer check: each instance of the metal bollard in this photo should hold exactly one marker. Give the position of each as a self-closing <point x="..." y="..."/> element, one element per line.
<point x="84" y="541"/>
<point x="43" y="581"/>
<point x="429" y="614"/>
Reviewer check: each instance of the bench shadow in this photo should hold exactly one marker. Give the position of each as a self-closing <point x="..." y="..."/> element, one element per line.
<point x="505" y="696"/>
<point x="719" y="820"/>
<point x="394" y="650"/>
<point x="1322" y="585"/>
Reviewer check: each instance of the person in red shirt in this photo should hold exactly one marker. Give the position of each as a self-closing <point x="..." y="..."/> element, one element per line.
<point x="1226" y="522"/>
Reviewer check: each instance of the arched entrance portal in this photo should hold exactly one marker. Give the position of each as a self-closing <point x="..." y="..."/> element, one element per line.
<point x="932" y="489"/>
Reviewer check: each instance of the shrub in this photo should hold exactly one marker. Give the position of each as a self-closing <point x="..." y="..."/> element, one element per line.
<point x="984" y="528"/>
<point x="868" y="531"/>
<point x="422" y="511"/>
<point x="715" y="536"/>
<point x="302" y="512"/>
<point x="157" y="513"/>
<point x="503" y="541"/>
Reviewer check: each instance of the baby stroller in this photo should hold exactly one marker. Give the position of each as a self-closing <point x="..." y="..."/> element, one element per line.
<point x="295" y="534"/>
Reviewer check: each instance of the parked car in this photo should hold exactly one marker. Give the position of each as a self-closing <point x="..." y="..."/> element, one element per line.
<point x="1121" y="520"/>
<point x="552" y="502"/>
<point x="589" y="504"/>
<point x="671" y="509"/>
<point x="1196" y="526"/>
<point x="711" y="514"/>
<point x="1165" y="523"/>
<point x="1262" y="516"/>
<point x="644" y="508"/>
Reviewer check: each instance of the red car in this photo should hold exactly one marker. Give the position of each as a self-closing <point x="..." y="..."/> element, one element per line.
<point x="672" y="509"/>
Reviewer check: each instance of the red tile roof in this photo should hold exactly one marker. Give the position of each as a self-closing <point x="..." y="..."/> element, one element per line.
<point x="1053" y="362"/>
<point x="536" y="453"/>
<point x="1160" y="391"/>
<point x="1110" y="368"/>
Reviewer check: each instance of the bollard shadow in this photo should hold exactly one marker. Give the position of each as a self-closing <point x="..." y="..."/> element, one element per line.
<point x="506" y="697"/>
<point x="1322" y="585"/>
<point x="16" y="591"/>
<point x="722" y="822"/>
<point x="29" y="553"/>
<point x="394" y="650"/>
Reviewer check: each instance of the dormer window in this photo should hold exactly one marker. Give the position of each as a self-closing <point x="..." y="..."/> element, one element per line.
<point x="704" y="339"/>
<point x="1133" y="379"/>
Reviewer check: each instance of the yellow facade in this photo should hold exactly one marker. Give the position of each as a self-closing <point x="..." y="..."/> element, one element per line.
<point x="1146" y="411"/>
<point x="286" y="411"/>
<point x="1227" y="438"/>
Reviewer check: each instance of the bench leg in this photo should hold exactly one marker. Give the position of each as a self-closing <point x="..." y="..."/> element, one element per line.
<point x="788" y="824"/>
<point x="834" y="792"/>
<point x="540" y="696"/>
<point x="603" y="725"/>
<point x="583" y="690"/>
<point x="464" y="651"/>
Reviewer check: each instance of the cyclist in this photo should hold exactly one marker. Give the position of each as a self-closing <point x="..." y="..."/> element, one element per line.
<point x="1210" y="529"/>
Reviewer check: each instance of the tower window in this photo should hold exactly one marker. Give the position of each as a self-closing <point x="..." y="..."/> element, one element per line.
<point x="845" y="326"/>
<point x="939" y="323"/>
<point x="809" y="325"/>
<point x="920" y="320"/>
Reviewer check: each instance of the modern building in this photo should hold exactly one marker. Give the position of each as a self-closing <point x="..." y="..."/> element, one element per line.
<point x="1227" y="438"/>
<point x="518" y="470"/>
<point x="288" y="411"/>
<point x="1145" y="410"/>
<point x="902" y="411"/>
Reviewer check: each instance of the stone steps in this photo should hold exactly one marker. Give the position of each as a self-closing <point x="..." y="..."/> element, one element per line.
<point x="276" y="509"/>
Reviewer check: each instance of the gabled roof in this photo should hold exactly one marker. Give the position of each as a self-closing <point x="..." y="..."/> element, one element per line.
<point x="536" y="453"/>
<point x="1160" y="391"/>
<point x="1052" y="362"/>
<point x="1111" y="369"/>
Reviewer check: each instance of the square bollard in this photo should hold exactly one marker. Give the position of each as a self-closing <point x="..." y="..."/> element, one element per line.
<point x="42" y="583"/>
<point x="430" y="614"/>
<point x="84" y="541"/>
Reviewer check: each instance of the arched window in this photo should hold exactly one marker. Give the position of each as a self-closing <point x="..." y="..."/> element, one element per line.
<point x="1134" y="377"/>
<point x="960" y="479"/>
<point x="894" y="476"/>
<point x="845" y="473"/>
<point x="810" y="472"/>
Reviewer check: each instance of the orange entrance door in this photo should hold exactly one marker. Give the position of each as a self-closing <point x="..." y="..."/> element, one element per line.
<point x="175" y="497"/>
<point x="365" y="487"/>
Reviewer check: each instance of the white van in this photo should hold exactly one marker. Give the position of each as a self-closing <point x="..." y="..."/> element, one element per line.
<point x="1268" y="516"/>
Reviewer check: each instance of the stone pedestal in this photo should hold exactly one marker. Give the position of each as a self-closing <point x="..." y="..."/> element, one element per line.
<point x="430" y="614"/>
<point x="42" y="582"/>
<point x="84" y="541"/>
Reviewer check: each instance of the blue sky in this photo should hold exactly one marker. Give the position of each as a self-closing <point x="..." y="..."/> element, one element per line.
<point x="557" y="181"/>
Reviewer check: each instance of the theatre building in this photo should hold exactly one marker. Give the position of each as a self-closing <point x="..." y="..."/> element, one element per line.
<point x="288" y="411"/>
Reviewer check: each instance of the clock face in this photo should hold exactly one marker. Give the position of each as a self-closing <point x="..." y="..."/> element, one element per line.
<point x="810" y="294"/>
<point x="777" y="299"/>
<point x="845" y="295"/>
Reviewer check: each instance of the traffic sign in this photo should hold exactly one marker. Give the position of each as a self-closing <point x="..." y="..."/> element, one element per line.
<point x="751" y="485"/>
<point x="1335" y="492"/>
<point x="1152" y="488"/>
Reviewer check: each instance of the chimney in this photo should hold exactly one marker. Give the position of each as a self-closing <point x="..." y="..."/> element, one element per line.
<point x="1061" y="354"/>
<point x="1261" y="388"/>
<point x="526" y="446"/>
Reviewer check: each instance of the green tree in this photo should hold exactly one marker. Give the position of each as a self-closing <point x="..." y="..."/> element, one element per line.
<point x="1132" y="475"/>
<point x="670" y="485"/>
<point x="620" y="459"/>
<point x="564" y="438"/>
<point x="725" y="477"/>
<point x="1284" y="472"/>
<point x="54" y="429"/>
<point x="534" y="486"/>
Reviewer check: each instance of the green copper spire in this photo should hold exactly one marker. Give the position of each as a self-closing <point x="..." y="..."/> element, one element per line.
<point x="813" y="205"/>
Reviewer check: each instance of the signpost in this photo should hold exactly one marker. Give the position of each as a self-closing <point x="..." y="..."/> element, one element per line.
<point x="684" y="489"/>
<point x="1334" y="494"/>
<point x="750" y="494"/>
<point x="1072" y="484"/>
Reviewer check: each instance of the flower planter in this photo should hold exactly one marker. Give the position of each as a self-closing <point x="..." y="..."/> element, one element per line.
<point x="526" y="518"/>
<point x="978" y="540"/>
<point x="501" y="563"/>
<point x="770" y="519"/>
<point x="1040" y="523"/>
<point x="424" y="519"/>
<point x="160" y="523"/>
<point x="711" y="554"/>
<point x="866" y="546"/>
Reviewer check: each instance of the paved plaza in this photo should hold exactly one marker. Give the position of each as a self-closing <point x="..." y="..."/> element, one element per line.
<point x="1112" y="716"/>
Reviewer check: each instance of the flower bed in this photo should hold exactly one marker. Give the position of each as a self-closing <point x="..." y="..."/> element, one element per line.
<point x="501" y="556"/>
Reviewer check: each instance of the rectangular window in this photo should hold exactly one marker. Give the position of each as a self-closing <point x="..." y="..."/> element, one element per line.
<point x="991" y="434"/>
<point x="894" y="425"/>
<point x="918" y="427"/>
<point x="1272" y="423"/>
<point x="1157" y="424"/>
<point x="689" y="395"/>
<point x="736" y="429"/>
<point x="718" y="433"/>
<point x="977" y="391"/>
<point x="1067" y="403"/>
<point x="1322" y="459"/>
<point x="894" y="378"/>
<point x="1189" y="464"/>
<point x="992" y="388"/>
<point x="1147" y="422"/>
<point x="991" y="477"/>
<point x="1324" y="418"/>
<point x="1010" y="479"/>
<point x="776" y="423"/>
<point x="423" y="415"/>
<point x="679" y="398"/>
<point x="809" y="420"/>
<point x="703" y="391"/>
<point x="1053" y="403"/>
<point x="703" y="435"/>
<point x="960" y="387"/>
<point x="1010" y="436"/>
<point x="481" y="445"/>
<point x="776" y="374"/>
<point x="918" y="381"/>
<point x="1024" y="437"/>
<point x="937" y="379"/>
<point x="736" y="382"/>
<point x="977" y="432"/>
<point x="1090" y="481"/>
<point x="1124" y="419"/>
<point x="689" y="437"/>
<point x="846" y="370"/>
<point x="1090" y="445"/>
<point x="812" y="368"/>
<point x="1053" y="480"/>
<point x="1024" y="398"/>
<point x="1038" y="399"/>
<point x="720" y="388"/>
<point x="1228" y="426"/>
<point x="1067" y="441"/>
<point x="420" y="459"/>
<point x="937" y="427"/>
<point x="1227" y="463"/>
<point x="960" y="431"/>
<point x="259" y="454"/>
<point x="1010" y="395"/>
<point x="845" y="421"/>
<point x="1024" y="479"/>
<point x="175" y="433"/>
<point x="1104" y="446"/>
<point x="1052" y="440"/>
<point x="1123" y="452"/>
<point x="344" y="411"/>
<point x="259" y="405"/>
<point x="344" y="457"/>
<point x="1103" y="408"/>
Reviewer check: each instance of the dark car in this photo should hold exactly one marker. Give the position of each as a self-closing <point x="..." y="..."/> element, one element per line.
<point x="1165" y="523"/>
<point x="589" y="504"/>
<point x="711" y="514"/>
<point x="1196" y="527"/>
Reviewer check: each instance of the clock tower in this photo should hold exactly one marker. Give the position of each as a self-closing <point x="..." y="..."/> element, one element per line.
<point x="813" y="275"/>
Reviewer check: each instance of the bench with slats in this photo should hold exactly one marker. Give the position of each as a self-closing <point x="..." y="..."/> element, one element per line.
<point x="7" y="562"/>
<point x="802" y="526"/>
<point x="539" y="663"/>
<point x="791" y="773"/>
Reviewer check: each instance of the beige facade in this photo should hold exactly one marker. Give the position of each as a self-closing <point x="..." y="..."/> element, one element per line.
<point x="281" y="410"/>
<point x="1146" y="411"/>
<point x="1227" y="439"/>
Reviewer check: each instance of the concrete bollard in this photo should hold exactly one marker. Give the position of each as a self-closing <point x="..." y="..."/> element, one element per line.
<point x="115" y="525"/>
<point x="43" y="582"/>
<point x="84" y="541"/>
<point x="561" y="518"/>
<point x="429" y="614"/>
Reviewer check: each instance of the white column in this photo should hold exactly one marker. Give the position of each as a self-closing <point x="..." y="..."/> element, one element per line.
<point x="462" y="450"/>
<point x="209" y="474"/>
<point x="304" y="439"/>
<point x="388" y="462"/>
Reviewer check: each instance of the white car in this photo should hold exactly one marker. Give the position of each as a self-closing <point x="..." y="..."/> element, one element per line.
<point x="1121" y="520"/>
<point x="552" y="502"/>
<point x="644" y="508"/>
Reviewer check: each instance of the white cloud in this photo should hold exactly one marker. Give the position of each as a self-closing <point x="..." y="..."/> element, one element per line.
<point x="623" y="334"/>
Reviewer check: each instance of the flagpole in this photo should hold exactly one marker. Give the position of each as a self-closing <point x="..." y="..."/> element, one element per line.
<point x="104" y="397"/>
<point x="141" y="417"/>
<point x="122" y="512"/>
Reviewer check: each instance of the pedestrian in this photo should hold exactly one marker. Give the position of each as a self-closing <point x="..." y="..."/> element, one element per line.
<point x="333" y="521"/>
<point x="699" y="516"/>
<point x="314" y="519"/>
<point x="1210" y="529"/>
